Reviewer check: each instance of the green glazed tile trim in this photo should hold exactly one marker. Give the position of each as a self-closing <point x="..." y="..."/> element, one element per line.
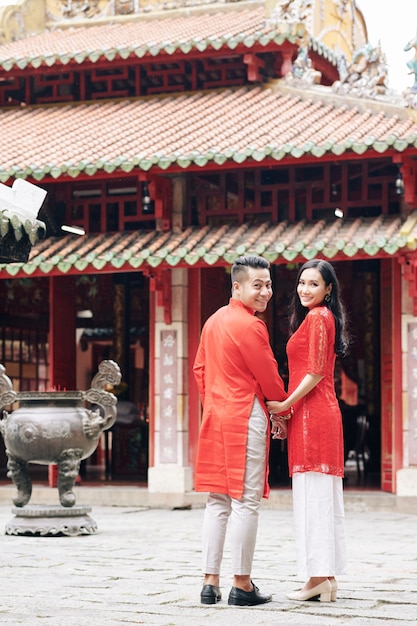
<point x="153" y="48"/>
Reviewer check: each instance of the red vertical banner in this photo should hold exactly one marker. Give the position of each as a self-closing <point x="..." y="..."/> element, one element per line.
<point x="412" y="393"/>
<point x="168" y="397"/>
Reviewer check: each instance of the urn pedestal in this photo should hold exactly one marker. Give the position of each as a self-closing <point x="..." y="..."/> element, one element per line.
<point x="51" y="520"/>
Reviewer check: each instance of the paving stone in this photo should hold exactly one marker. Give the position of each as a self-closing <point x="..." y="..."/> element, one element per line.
<point x="142" y="566"/>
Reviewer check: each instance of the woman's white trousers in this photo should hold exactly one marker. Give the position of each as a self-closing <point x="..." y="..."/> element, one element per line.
<point x="319" y="524"/>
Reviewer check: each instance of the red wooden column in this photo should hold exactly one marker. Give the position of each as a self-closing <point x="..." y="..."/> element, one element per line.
<point x="397" y="462"/>
<point x="194" y="330"/>
<point x="152" y="376"/>
<point x="391" y="367"/>
<point x="62" y="323"/>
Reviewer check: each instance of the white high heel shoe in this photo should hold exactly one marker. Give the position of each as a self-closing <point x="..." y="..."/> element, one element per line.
<point x="333" y="583"/>
<point x="321" y="592"/>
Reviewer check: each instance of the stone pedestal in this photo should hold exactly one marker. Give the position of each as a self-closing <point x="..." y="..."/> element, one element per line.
<point x="407" y="482"/>
<point x="170" y="479"/>
<point x="51" y="520"/>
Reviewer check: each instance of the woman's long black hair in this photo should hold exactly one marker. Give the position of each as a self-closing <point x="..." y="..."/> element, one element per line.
<point x="335" y="304"/>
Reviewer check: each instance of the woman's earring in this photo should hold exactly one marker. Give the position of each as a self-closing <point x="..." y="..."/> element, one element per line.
<point x="327" y="297"/>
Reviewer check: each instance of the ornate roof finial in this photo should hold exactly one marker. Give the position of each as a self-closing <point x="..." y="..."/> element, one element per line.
<point x="302" y="71"/>
<point x="366" y="76"/>
<point x="289" y="10"/>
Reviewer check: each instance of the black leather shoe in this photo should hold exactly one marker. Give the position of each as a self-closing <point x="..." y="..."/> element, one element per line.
<point x="210" y="594"/>
<point x="238" y="597"/>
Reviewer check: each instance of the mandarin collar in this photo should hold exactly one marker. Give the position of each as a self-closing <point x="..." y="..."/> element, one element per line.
<point x="234" y="302"/>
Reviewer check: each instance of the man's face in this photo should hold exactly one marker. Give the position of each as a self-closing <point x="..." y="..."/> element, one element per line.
<point x="255" y="289"/>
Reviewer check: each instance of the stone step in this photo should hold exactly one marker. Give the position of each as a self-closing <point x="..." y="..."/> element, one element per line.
<point x="133" y="495"/>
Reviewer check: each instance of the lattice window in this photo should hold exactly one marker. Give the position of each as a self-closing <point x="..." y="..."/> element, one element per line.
<point x="110" y="83"/>
<point x="12" y="91"/>
<point x="53" y="87"/>
<point x="25" y="357"/>
<point x="222" y="72"/>
<point x="107" y="206"/>
<point x="294" y="193"/>
<point x="132" y="78"/>
<point x="165" y="77"/>
<point x="231" y="196"/>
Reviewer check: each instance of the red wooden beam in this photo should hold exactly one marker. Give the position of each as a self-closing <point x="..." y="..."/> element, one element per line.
<point x="160" y="192"/>
<point x="160" y="284"/>
<point x="410" y="275"/>
<point x="408" y="169"/>
<point x="255" y="65"/>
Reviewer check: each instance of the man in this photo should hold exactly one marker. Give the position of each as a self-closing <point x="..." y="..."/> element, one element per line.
<point x="236" y="372"/>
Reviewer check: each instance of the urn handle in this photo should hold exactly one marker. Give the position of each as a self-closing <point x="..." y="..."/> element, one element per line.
<point x="108" y="375"/>
<point x="7" y="394"/>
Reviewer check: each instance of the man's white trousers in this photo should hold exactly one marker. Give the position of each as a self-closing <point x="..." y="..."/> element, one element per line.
<point x="244" y="512"/>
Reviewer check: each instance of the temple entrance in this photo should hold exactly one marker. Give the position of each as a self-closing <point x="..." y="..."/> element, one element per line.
<point x="116" y="326"/>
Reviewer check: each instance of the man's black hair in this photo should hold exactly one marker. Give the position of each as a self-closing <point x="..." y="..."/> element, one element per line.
<point x="241" y="264"/>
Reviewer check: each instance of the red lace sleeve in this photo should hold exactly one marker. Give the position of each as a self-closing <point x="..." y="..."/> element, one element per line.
<point x="318" y="340"/>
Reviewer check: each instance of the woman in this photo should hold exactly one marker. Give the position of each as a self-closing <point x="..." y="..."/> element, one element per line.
<point x="315" y="435"/>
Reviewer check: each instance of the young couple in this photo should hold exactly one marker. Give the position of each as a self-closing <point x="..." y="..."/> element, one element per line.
<point x="240" y="389"/>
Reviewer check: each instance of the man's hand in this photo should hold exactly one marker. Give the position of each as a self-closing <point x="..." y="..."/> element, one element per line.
<point x="276" y="407"/>
<point x="279" y="427"/>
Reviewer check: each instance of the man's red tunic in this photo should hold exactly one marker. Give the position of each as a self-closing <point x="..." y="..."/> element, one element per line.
<point x="234" y="363"/>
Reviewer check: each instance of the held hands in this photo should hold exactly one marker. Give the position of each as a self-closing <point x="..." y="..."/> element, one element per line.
<point x="279" y="417"/>
<point x="278" y="427"/>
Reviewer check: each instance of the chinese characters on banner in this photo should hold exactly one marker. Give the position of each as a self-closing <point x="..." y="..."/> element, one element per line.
<point x="168" y="398"/>
<point x="412" y="392"/>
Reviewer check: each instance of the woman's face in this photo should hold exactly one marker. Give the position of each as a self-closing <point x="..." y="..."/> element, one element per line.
<point x="311" y="288"/>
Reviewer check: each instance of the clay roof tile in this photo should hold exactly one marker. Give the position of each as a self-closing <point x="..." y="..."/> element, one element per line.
<point x="184" y="130"/>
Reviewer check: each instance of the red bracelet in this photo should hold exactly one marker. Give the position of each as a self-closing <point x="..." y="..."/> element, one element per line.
<point x="287" y="416"/>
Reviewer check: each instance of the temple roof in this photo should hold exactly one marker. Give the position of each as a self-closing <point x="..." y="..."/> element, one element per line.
<point x="152" y="37"/>
<point x="337" y="239"/>
<point x="201" y="129"/>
